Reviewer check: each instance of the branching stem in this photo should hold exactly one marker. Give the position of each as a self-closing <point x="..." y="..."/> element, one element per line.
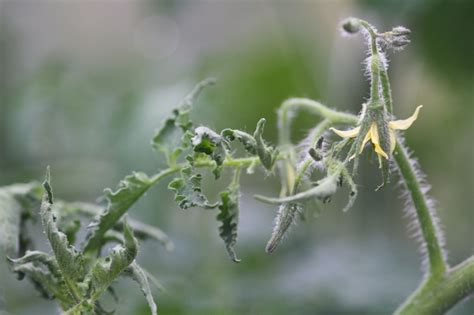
<point x="444" y="287"/>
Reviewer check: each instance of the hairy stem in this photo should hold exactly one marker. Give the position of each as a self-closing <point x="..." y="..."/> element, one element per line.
<point x="436" y="296"/>
<point x="314" y="107"/>
<point x="437" y="263"/>
<point x="386" y="90"/>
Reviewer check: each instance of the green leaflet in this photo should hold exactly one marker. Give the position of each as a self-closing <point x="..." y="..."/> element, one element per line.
<point x="43" y="271"/>
<point x="37" y="257"/>
<point x="135" y="272"/>
<point x="254" y="145"/>
<point x="141" y="230"/>
<point x="247" y="140"/>
<point x="267" y="154"/>
<point x="187" y="189"/>
<point x="14" y="203"/>
<point x="71" y="263"/>
<point x="174" y="135"/>
<point x="107" y="269"/>
<point x="229" y="216"/>
<point x="210" y="143"/>
<point x="129" y="191"/>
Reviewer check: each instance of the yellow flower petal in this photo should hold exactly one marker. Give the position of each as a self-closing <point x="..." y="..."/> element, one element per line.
<point x="393" y="139"/>
<point x="367" y="137"/>
<point x="404" y="124"/>
<point x="351" y="133"/>
<point x="375" y="140"/>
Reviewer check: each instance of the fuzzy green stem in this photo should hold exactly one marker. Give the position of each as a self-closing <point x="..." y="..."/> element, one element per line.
<point x="386" y="90"/>
<point x="437" y="263"/>
<point x="315" y="135"/>
<point x="314" y="107"/>
<point x="437" y="296"/>
<point x="374" y="62"/>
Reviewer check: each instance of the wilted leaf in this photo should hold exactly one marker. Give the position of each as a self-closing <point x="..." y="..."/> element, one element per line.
<point x="187" y="189"/>
<point x="129" y="191"/>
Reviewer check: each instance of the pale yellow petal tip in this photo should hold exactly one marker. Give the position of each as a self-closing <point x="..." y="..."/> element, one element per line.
<point x="404" y="124"/>
<point x="351" y="133"/>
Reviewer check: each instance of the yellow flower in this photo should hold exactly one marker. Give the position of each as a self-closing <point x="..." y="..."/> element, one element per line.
<point x="373" y="134"/>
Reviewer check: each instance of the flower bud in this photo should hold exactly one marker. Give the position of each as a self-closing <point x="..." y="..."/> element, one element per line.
<point x="351" y="25"/>
<point x="401" y="31"/>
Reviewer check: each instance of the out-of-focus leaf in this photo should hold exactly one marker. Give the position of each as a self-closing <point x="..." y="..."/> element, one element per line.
<point x="43" y="270"/>
<point x="13" y="205"/>
<point x="135" y="272"/>
<point x="107" y="269"/>
<point x="187" y="189"/>
<point x="38" y="257"/>
<point x="174" y="135"/>
<point x="129" y="191"/>
<point x="212" y="144"/>
<point x="229" y="217"/>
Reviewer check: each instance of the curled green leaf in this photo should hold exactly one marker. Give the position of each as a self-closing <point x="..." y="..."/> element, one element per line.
<point x="247" y="140"/>
<point x="267" y="154"/>
<point x="188" y="192"/>
<point x="212" y="144"/>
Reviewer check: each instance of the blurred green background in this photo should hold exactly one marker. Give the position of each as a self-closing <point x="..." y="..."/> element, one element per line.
<point x="84" y="84"/>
